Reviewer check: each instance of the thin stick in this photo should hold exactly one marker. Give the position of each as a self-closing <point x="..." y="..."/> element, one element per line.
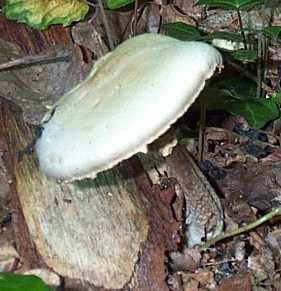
<point x="106" y="25"/>
<point x="56" y="55"/>
<point x="135" y="17"/>
<point x="90" y="3"/>
<point x="242" y="29"/>
<point x="248" y="227"/>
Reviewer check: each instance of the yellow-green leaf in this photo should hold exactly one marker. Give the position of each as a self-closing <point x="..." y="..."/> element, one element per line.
<point x="40" y="14"/>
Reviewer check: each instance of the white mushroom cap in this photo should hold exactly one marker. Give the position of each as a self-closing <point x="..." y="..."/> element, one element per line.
<point x="130" y="98"/>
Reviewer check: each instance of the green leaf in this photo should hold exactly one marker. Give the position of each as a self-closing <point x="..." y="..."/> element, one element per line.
<point x="256" y="112"/>
<point x="237" y="96"/>
<point x="40" y="14"/>
<point x="15" y="282"/>
<point x="238" y="88"/>
<point x="232" y="4"/>
<point x="114" y="4"/>
<point x="182" y="31"/>
<point x="272" y="31"/>
<point x="232" y="36"/>
<point x="244" y="55"/>
<point x="277" y="98"/>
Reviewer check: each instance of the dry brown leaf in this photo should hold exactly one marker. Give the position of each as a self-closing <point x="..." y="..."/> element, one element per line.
<point x="38" y="86"/>
<point x="238" y="282"/>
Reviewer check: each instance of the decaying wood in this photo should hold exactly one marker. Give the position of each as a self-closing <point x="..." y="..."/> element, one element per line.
<point x="204" y="214"/>
<point x="111" y="232"/>
<point x="32" y="41"/>
<point x="22" y="237"/>
<point x="48" y="64"/>
<point x="107" y="232"/>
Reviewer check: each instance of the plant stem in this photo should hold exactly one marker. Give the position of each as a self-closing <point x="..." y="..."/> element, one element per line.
<point x="202" y="124"/>
<point x="241" y="28"/>
<point x="259" y="66"/>
<point x="106" y="25"/>
<point x="250" y="226"/>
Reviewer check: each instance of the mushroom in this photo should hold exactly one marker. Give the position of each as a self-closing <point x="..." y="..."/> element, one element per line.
<point x="131" y="97"/>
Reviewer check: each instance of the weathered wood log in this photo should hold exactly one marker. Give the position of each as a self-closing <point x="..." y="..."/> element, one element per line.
<point x="141" y="225"/>
<point x="29" y="257"/>
<point x="106" y="232"/>
<point x="109" y="233"/>
<point x="32" y="41"/>
<point x="112" y="232"/>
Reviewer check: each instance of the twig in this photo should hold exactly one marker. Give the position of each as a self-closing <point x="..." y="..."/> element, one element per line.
<point x="218" y="263"/>
<point x="234" y="232"/>
<point x="242" y="29"/>
<point x="106" y="25"/>
<point x="135" y="17"/>
<point x="90" y="3"/>
<point x="55" y="55"/>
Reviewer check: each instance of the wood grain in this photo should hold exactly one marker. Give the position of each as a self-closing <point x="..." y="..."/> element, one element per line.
<point x="111" y="232"/>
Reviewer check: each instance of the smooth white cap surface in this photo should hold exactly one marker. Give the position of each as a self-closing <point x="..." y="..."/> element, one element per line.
<point x="130" y="98"/>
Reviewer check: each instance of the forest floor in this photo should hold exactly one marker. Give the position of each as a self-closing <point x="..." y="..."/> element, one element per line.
<point x="242" y="163"/>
